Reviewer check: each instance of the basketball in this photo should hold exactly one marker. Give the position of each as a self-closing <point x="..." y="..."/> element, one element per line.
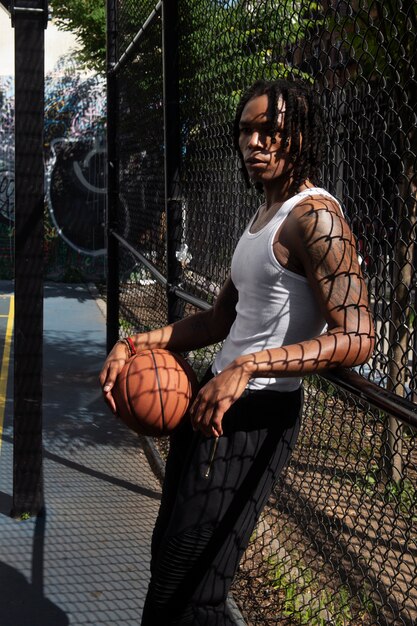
<point x="153" y="391"/>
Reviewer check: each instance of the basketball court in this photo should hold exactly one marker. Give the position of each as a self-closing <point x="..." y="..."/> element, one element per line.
<point x="86" y="560"/>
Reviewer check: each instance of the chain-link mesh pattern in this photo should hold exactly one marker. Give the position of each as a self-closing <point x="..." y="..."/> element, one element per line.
<point x="130" y="16"/>
<point x="143" y="301"/>
<point x="141" y="217"/>
<point x="214" y="214"/>
<point x="337" y="542"/>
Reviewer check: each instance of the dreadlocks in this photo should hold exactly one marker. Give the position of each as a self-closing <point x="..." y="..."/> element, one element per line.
<point x="302" y="118"/>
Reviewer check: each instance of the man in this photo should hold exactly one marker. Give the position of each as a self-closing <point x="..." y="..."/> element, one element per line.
<point x="295" y="304"/>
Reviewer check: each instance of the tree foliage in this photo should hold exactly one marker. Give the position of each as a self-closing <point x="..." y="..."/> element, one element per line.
<point x="230" y="45"/>
<point x="86" y="19"/>
<point x="235" y="27"/>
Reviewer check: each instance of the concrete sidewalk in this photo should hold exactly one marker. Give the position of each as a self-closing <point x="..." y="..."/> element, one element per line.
<point x="86" y="561"/>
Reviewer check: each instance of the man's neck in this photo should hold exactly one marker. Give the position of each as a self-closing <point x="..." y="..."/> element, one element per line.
<point x="278" y="194"/>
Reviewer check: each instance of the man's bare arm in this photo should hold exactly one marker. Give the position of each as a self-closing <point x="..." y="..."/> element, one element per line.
<point x="326" y="247"/>
<point x="196" y="331"/>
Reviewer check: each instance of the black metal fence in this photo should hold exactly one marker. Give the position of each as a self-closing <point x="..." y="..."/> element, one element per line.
<point x="337" y="543"/>
<point x="29" y="21"/>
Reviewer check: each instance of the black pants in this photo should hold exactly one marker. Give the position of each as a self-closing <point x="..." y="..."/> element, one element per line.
<point x="205" y="521"/>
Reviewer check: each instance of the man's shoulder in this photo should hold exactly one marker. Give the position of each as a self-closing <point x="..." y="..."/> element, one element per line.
<point x="318" y="212"/>
<point x="317" y="201"/>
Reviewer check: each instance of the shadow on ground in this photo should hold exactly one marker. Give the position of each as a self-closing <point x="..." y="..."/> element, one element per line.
<point x="23" y="603"/>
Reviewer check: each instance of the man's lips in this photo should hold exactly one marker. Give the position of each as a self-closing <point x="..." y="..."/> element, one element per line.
<point x="255" y="161"/>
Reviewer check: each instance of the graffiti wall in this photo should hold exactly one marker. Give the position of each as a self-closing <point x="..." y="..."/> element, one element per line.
<point x="75" y="180"/>
<point x="6" y="176"/>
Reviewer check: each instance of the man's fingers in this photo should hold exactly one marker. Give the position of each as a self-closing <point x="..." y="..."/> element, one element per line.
<point x="216" y="421"/>
<point x="108" y="386"/>
<point x="112" y="367"/>
<point x="103" y="376"/>
<point x="110" y="402"/>
<point x="207" y="418"/>
<point x="108" y="382"/>
<point x="107" y="379"/>
<point x="197" y="411"/>
<point x="201" y="417"/>
<point x="109" y="375"/>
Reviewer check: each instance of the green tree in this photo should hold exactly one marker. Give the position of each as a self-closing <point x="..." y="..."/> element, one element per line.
<point x="380" y="39"/>
<point x="87" y="20"/>
<point x="231" y="44"/>
<point x="237" y="25"/>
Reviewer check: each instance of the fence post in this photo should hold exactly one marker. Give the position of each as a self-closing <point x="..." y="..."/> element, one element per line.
<point x="29" y="22"/>
<point x="112" y="180"/>
<point x="172" y="140"/>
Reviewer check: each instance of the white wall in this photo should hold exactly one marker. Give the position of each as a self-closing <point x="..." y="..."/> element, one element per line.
<point x="56" y="43"/>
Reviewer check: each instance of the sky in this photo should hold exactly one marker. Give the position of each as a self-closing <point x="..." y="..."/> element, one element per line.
<point x="56" y="43"/>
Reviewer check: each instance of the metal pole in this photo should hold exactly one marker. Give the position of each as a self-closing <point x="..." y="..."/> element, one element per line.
<point x="112" y="180"/>
<point x="172" y="139"/>
<point x="29" y="23"/>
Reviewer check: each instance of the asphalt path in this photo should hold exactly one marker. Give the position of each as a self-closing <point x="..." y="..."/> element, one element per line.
<point x="85" y="561"/>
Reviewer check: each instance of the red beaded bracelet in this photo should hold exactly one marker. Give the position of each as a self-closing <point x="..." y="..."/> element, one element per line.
<point x="132" y="347"/>
<point x="128" y="342"/>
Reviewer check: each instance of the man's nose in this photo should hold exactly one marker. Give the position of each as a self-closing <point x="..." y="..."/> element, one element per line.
<point x="254" y="139"/>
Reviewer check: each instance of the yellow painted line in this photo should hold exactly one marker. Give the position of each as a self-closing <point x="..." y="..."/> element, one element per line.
<point x="4" y="372"/>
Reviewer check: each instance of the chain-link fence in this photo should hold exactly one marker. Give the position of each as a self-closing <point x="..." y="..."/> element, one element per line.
<point x="337" y="543"/>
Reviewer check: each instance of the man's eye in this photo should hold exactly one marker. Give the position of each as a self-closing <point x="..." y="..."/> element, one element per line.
<point x="245" y="130"/>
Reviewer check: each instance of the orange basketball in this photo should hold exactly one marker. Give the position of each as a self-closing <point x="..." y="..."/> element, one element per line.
<point x="153" y="391"/>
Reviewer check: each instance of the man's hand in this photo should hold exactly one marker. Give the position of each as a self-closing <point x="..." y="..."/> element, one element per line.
<point x="216" y="397"/>
<point x="112" y="367"/>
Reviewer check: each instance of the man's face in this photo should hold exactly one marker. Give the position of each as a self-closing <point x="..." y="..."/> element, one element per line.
<point x="265" y="160"/>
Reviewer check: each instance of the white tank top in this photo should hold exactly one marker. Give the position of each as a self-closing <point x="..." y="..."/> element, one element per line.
<point x="276" y="307"/>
